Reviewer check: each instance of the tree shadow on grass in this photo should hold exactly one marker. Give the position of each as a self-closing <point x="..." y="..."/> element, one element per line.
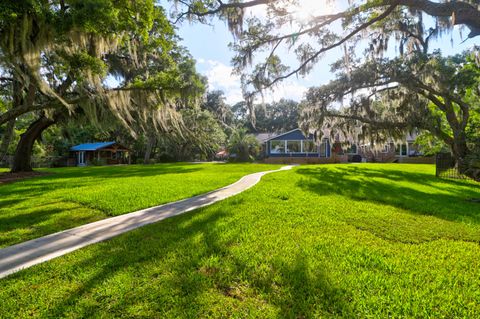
<point x="81" y="186"/>
<point x="159" y="270"/>
<point x="44" y="220"/>
<point x="33" y="218"/>
<point x="307" y="292"/>
<point x="9" y="202"/>
<point x="128" y="253"/>
<point x="41" y="184"/>
<point x="423" y="194"/>
<point x="126" y="171"/>
<point x="106" y="172"/>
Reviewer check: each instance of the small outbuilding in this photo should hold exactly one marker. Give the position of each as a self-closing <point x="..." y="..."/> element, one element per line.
<point x="100" y="153"/>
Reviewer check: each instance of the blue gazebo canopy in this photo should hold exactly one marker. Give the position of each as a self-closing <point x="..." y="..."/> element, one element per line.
<point x="91" y="146"/>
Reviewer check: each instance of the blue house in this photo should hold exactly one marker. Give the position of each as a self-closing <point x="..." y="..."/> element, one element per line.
<point x="294" y="144"/>
<point x="107" y="153"/>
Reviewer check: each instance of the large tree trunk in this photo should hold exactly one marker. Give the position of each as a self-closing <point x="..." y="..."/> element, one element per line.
<point x="458" y="143"/>
<point x="460" y="149"/>
<point x="23" y="154"/>
<point x="7" y="139"/>
<point x="461" y="153"/>
<point x="150" y="145"/>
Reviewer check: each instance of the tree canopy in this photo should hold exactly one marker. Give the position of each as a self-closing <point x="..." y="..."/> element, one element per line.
<point x="106" y="60"/>
<point x="378" y="93"/>
<point x="373" y="21"/>
<point x="383" y="99"/>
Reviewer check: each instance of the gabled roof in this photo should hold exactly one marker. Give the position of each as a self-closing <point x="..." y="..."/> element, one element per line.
<point x="263" y="137"/>
<point x="298" y="134"/>
<point x="91" y="146"/>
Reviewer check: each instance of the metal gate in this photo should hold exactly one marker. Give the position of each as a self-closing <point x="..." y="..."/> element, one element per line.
<point x="445" y="167"/>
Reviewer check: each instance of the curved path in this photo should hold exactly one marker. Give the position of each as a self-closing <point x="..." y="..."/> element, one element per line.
<point x="27" y="254"/>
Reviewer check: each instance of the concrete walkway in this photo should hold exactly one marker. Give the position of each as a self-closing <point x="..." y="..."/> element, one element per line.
<point x="27" y="254"/>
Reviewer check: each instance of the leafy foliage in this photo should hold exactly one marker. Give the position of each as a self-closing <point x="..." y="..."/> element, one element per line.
<point x="245" y="146"/>
<point x="385" y="99"/>
<point x="215" y="103"/>
<point x="279" y="116"/>
<point x="200" y="141"/>
<point x="108" y="61"/>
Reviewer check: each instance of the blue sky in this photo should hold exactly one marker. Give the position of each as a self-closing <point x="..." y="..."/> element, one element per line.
<point x="209" y="46"/>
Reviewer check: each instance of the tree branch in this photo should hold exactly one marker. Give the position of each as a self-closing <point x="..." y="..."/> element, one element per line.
<point x="221" y="7"/>
<point x="460" y="11"/>
<point x="334" y="45"/>
<point x="16" y="112"/>
<point x="377" y="124"/>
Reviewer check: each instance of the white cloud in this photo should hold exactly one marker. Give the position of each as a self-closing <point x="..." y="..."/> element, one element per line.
<point x="220" y="77"/>
<point x="289" y="90"/>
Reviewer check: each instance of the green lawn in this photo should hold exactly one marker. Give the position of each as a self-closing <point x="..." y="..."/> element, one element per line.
<point x="352" y="241"/>
<point x="70" y="197"/>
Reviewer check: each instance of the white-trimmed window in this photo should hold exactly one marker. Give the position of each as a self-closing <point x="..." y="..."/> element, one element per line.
<point x="352" y="149"/>
<point x="294" y="146"/>
<point x="401" y="149"/>
<point x="277" y="147"/>
<point x="323" y="147"/>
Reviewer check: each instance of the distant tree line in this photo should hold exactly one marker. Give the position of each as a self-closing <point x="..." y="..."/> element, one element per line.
<point x="211" y="126"/>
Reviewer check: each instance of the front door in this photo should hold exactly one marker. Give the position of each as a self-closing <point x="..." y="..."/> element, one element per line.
<point x="81" y="158"/>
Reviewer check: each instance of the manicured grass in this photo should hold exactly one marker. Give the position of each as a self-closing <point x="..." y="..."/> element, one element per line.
<point x="351" y="241"/>
<point x="70" y="197"/>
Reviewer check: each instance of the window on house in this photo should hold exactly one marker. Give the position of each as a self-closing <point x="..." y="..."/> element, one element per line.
<point x="323" y="147"/>
<point x="385" y="148"/>
<point x="401" y="149"/>
<point x="352" y="149"/>
<point x="294" y="147"/>
<point x="277" y="147"/>
<point x="413" y="149"/>
<point x="309" y="146"/>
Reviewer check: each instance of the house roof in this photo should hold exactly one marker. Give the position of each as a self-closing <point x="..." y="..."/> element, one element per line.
<point x="263" y="137"/>
<point x="91" y="146"/>
<point x="295" y="134"/>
